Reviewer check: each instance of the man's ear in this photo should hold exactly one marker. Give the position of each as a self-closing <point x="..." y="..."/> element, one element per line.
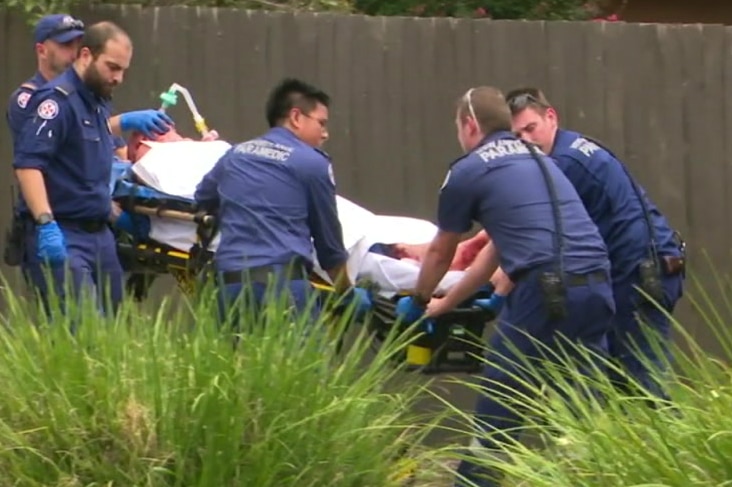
<point x="294" y="117"/>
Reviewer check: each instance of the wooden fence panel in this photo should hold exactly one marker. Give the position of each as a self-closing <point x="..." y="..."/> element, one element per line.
<point x="656" y="94"/>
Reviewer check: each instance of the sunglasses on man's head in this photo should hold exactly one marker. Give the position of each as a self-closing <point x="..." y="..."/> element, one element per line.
<point x="523" y="100"/>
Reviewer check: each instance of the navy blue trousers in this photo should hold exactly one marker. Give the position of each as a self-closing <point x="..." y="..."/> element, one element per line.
<point x="589" y="313"/>
<point x="92" y="269"/>
<point x="637" y="318"/>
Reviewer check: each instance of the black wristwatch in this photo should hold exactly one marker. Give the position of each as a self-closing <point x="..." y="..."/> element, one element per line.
<point x="420" y="301"/>
<point x="44" y="218"/>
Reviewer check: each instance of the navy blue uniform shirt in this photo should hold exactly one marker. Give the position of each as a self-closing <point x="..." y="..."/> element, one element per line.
<point x="276" y="197"/>
<point x="501" y="186"/>
<point x="16" y="112"/>
<point x="68" y="138"/>
<point x="611" y="201"/>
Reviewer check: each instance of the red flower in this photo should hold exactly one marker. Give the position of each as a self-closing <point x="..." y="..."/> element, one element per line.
<point x="609" y="18"/>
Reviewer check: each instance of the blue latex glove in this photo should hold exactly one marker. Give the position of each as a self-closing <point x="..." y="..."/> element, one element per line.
<point x="136" y="225"/>
<point x="51" y="244"/>
<point x="408" y="311"/>
<point x="149" y="122"/>
<point x="361" y="300"/>
<point x="494" y="303"/>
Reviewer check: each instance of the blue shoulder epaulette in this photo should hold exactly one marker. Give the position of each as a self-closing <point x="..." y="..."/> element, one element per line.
<point x="460" y="158"/>
<point x="322" y="153"/>
<point x="65" y="88"/>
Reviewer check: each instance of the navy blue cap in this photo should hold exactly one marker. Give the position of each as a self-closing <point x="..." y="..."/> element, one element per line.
<point x="61" y="28"/>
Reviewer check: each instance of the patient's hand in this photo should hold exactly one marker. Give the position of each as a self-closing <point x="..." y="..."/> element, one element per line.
<point x="210" y="135"/>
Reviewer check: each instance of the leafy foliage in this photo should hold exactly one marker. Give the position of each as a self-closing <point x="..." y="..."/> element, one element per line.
<point x="495" y="9"/>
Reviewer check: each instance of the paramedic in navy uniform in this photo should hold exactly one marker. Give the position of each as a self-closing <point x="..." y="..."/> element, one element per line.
<point x="273" y="194"/>
<point x="636" y="237"/>
<point x="63" y="162"/>
<point x="499" y="184"/>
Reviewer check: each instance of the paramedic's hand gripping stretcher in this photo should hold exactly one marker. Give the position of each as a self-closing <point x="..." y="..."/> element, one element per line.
<point x="160" y="231"/>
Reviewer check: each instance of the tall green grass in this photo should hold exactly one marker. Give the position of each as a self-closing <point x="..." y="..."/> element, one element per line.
<point x="685" y="441"/>
<point x="168" y="400"/>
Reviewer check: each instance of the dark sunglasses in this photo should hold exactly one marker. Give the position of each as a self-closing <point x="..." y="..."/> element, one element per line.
<point x="66" y="26"/>
<point x="524" y="100"/>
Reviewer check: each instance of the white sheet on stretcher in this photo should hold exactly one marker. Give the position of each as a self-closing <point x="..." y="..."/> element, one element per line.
<point x="176" y="168"/>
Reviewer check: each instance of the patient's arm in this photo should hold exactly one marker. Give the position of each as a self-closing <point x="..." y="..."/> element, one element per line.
<point x="465" y="253"/>
<point x="477" y="275"/>
<point x="468" y="250"/>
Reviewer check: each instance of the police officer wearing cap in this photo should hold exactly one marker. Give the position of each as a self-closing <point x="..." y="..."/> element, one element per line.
<point x="644" y="249"/>
<point x="63" y="161"/>
<point x="542" y="237"/>
<point x="276" y="198"/>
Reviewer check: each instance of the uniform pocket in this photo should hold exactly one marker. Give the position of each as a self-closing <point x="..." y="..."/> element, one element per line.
<point x="96" y="162"/>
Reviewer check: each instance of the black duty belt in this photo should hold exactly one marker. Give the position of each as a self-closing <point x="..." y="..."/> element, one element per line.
<point x="262" y="273"/>
<point x="89" y="226"/>
<point x="570" y="279"/>
<point x="576" y="280"/>
<point x="85" y="225"/>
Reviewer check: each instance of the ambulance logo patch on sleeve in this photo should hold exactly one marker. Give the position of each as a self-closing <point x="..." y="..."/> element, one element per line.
<point x="23" y="99"/>
<point x="48" y="110"/>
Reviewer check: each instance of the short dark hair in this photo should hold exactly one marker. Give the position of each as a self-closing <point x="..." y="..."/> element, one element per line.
<point x="293" y="93"/>
<point x="527" y="97"/>
<point x="97" y="35"/>
<point x="488" y="106"/>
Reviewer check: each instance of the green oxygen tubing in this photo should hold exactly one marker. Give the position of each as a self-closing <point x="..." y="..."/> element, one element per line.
<point x="170" y="98"/>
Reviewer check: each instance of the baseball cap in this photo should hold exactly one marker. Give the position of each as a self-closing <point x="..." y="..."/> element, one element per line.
<point x="61" y="28"/>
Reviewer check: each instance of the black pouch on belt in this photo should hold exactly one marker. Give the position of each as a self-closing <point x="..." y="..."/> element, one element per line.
<point x="553" y="291"/>
<point x="13" y="252"/>
<point x="650" y="279"/>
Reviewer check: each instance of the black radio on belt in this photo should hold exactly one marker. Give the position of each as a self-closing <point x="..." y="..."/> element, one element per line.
<point x="13" y="254"/>
<point x="553" y="290"/>
<point x="650" y="279"/>
<point x="14" y="237"/>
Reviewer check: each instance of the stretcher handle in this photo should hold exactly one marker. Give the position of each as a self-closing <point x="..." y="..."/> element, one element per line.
<point x="176" y="215"/>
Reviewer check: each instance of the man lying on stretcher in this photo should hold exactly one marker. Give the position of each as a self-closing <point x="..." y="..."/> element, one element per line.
<point x="464" y="255"/>
<point x="384" y="251"/>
